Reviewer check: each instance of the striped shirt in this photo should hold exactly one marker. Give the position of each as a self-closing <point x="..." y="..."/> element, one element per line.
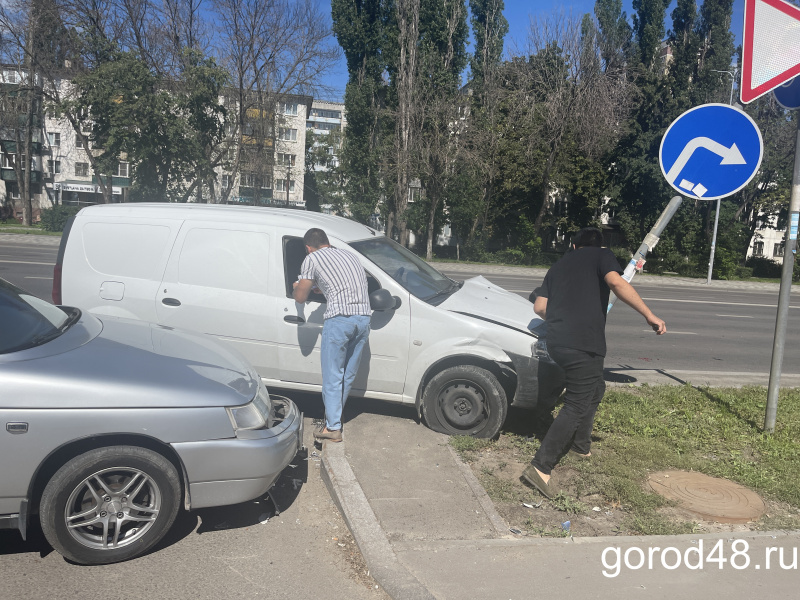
<point x="341" y="279"/>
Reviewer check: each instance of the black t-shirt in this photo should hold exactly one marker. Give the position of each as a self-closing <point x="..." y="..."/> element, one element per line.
<point x="577" y="299"/>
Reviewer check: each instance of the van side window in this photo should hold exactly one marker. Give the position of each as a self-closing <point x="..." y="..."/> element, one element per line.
<point x="294" y="252"/>
<point x="126" y="249"/>
<point x="220" y="258"/>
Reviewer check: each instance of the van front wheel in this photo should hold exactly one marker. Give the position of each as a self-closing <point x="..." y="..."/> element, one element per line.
<point x="465" y="400"/>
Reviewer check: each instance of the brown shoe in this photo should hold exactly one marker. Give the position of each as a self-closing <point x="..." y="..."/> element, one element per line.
<point x="331" y="436"/>
<point x="531" y="476"/>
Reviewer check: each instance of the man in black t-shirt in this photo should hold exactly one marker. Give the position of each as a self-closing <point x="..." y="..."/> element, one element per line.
<point x="573" y="300"/>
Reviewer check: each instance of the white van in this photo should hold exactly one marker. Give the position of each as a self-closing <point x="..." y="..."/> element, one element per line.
<point x="462" y="352"/>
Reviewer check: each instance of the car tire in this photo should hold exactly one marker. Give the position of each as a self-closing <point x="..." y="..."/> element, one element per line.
<point x="110" y="504"/>
<point x="465" y="400"/>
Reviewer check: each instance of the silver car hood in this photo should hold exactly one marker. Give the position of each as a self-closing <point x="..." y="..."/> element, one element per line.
<point x="480" y="298"/>
<point x="122" y="363"/>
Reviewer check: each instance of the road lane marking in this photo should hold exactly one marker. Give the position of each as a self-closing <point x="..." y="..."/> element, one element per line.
<point x="673" y="332"/>
<point x="31" y="277"/>
<point x="26" y="262"/>
<point x="713" y="302"/>
<point x="736" y="316"/>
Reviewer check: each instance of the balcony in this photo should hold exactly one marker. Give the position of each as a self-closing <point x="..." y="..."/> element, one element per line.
<point x="10" y="175"/>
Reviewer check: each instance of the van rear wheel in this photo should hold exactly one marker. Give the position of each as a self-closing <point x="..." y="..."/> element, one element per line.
<point x="465" y="400"/>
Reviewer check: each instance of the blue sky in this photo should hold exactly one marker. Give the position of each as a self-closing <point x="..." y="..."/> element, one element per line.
<point x="519" y="12"/>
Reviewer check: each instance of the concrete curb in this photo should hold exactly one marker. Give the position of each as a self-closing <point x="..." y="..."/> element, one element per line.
<point x="498" y="524"/>
<point x="383" y="563"/>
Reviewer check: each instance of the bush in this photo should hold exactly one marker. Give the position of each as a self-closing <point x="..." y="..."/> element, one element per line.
<point x="623" y="256"/>
<point x="55" y="219"/>
<point x="764" y="267"/>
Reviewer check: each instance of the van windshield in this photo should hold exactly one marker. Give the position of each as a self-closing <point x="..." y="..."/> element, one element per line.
<point x="406" y="268"/>
<point x="29" y="321"/>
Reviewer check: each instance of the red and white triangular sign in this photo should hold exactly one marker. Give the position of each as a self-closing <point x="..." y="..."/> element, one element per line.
<point x="771" y="46"/>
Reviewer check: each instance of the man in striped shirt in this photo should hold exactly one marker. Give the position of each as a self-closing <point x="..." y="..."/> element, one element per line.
<point x="340" y="277"/>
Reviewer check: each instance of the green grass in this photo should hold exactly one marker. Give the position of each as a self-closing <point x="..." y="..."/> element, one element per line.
<point x="716" y="431"/>
<point x="14" y="227"/>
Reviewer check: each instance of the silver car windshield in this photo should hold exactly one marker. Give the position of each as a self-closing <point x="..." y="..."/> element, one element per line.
<point x="407" y="269"/>
<point x="28" y="321"/>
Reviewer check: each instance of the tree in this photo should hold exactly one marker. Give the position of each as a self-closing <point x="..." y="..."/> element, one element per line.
<point x="570" y="100"/>
<point x="360" y="27"/>
<point x="324" y="179"/>
<point x="483" y="133"/>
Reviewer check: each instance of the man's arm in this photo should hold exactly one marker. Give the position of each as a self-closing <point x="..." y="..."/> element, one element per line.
<point x="625" y="292"/>
<point x="540" y="306"/>
<point x="302" y="288"/>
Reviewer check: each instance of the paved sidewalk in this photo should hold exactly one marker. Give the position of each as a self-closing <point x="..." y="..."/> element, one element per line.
<point x="427" y="531"/>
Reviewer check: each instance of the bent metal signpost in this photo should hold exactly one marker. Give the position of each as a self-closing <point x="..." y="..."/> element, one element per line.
<point x="771" y="58"/>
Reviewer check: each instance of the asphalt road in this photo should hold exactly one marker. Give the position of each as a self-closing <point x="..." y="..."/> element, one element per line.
<point x="707" y="329"/>
<point x="712" y="329"/>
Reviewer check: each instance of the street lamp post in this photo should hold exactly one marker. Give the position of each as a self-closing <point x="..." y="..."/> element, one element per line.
<point x="716" y="215"/>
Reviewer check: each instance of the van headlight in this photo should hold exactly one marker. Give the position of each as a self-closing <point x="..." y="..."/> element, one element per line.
<point x="255" y="414"/>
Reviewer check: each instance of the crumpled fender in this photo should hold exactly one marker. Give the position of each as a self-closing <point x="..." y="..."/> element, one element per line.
<point x="420" y="363"/>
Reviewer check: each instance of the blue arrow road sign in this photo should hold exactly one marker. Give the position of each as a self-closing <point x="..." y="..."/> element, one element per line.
<point x="788" y="94"/>
<point x="711" y="151"/>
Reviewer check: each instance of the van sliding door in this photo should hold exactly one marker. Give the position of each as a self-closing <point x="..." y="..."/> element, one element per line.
<point x="217" y="282"/>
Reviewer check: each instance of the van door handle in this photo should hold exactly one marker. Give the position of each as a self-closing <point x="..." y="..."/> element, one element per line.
<point x="294" y="319"/>
<point x="171" y="302"/>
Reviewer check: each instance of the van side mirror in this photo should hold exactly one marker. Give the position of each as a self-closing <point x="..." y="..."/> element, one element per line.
<point x="382" y="300"/>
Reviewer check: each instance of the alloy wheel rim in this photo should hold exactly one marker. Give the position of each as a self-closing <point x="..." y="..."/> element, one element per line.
<point x="112" y="508"/>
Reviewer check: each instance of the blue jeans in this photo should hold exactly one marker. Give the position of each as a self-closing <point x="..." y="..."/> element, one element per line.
<point x="343" y="339"/>
<point x="583" y="372"/>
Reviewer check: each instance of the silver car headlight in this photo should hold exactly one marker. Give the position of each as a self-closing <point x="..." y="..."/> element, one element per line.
<point x="255" y="414"/>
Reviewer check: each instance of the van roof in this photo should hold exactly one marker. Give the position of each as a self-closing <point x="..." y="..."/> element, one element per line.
<point x="344" y="229"/>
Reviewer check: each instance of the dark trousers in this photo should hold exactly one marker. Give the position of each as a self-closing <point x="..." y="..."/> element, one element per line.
<point x="573" y="425"/>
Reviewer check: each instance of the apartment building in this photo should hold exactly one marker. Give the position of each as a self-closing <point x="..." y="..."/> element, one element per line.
<point x="62" y="171"/>
<point x="271" y="164"/>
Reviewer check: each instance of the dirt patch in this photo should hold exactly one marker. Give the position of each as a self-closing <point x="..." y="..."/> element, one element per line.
<point x="582" y="509"/>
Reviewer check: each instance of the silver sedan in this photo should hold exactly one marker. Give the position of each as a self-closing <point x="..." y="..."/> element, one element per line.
<point x="108" y="426"/>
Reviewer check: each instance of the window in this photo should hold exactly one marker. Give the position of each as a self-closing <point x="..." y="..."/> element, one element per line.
<point x="248" y="180"/>
<point x="78" y="142"/>
<point x="267" y="182"/>
<point x="81" y="169"/>
<point x="226" y="182"/>
<point x="290" y="135"/>
<point x="289" y="108"/>
<point x="122" y="169"/>
<point x="777" y="249"/>
<point x="758" y="248"/>
<point x="54" y="138"/>
<point x="326" y="114"/>
<point x="286" y="160"/>
<point x="328" y="126"/>
<point x="280" y="185"/>
<point x="54" y="166"/>
<point x="8" y="161"/>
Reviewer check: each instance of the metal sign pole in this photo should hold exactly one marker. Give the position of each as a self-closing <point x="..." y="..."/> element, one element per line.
<point x="790" y="248"/>
<point x="713" y="244"/>
<point x="650" y="241"/>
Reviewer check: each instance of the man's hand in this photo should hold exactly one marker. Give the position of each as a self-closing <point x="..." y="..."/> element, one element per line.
<point x="302" y="287"/>
<point x="658" y="325"/>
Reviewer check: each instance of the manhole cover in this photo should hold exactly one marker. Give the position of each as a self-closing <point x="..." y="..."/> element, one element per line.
<point x="711" y="498"/>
